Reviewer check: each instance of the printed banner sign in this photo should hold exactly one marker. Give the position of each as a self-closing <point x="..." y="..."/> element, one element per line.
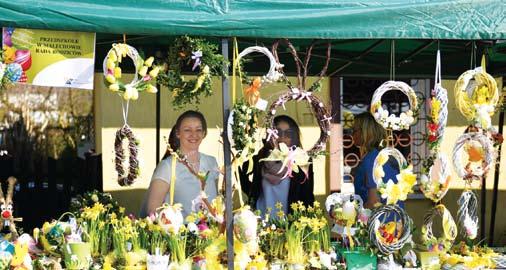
<point x="51" y="58"/>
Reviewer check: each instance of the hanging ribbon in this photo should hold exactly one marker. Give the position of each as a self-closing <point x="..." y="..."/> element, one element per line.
<point x="173" y="178"/>
<point x="392" y="60"/>
<point x="234" y="66"/>
<point x="483" y="63"/>
<point x="124" y="107"/>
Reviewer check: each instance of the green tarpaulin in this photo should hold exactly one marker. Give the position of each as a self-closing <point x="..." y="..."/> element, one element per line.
<point x="401" y="19"/>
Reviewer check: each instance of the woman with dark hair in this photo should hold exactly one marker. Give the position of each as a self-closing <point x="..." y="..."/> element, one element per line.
<point x="268" y="187"/>
<point x="185" y="138"/>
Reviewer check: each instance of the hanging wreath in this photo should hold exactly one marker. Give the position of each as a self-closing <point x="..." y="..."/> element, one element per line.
<point x="480" y="156"/>
<point x="319" y="110"/>
<point x="436" y="182"/>
<point x="126" y="177"/>
<point x="294" y="157"/>
<point x="391" y="236"/>
<point x="445" y="242"/>
<point x="201" y="58"/>
<point x="406" y="119"/>
<point x="476" y="96"/>
<point x="468" y="214"/>
<point x="142" y="78"/>
<point x="273" y="75"/>
<point x="406" y="179"/>
<point x="243" y="118"/>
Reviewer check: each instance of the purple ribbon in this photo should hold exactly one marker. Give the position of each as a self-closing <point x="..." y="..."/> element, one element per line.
<point x="196" y="56"/>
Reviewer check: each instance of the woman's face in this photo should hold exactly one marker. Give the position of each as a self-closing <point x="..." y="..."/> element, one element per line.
<point x="190" y="134"/>
<point x="357" y="134"/>
<point x="285" y="133"/>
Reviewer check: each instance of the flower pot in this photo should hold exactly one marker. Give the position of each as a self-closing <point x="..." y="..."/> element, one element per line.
<point x="359" y="258"/>
<point x="157" y="262"/>
<point x="77" y="256"/>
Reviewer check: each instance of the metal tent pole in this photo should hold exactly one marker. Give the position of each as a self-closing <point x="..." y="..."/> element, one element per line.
<point x="158" y="124"/>
<point x="496" y="183"/>
<point x="227" y="161"/>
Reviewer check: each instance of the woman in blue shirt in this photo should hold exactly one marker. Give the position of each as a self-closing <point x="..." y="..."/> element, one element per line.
<point x="367" y="136"/>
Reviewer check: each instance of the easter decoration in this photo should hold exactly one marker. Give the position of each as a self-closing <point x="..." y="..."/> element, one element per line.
<point x="477" y="96"/>
<point x="436" y="178"/>
<point x="196" y="55"/>
<point x="145" y="74"/>
<point x="295" y="156"/>
<point x="389" y="237"/>
<point x="7" y="208"/>
<point x="14" y="62"/>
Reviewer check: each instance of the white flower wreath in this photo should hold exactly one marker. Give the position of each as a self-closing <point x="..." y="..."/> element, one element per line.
<point x="405" y="119"/>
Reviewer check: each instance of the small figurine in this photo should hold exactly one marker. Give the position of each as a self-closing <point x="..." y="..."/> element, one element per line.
<point x="6" y="207"/>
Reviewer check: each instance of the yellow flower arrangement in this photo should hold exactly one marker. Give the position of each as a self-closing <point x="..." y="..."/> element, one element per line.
<point x="436" y="108"/>
<point x="406" y="179"/>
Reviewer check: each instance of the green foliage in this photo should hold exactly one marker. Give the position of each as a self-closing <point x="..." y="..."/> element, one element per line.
<point x="180" y="57"/>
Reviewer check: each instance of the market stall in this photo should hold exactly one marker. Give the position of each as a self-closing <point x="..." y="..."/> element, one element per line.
<point x="356" y="39"/>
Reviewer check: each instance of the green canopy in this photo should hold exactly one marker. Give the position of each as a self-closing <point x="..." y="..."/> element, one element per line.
<point x="332" y="19"/>
<point x="360" y="31"/>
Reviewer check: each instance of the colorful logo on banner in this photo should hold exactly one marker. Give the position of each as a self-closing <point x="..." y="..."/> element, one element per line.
<point x="51" y="58"/>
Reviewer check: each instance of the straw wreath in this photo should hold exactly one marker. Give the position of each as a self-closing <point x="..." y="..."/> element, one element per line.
<point x="476" y="96"/>
<point x="444" y="242"/>
<point x="481" y="151"/>
<point x="403" y="233"/>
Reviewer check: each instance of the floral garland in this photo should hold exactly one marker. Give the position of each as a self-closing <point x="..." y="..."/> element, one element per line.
<point x="243" y="124"/>
<point x="406" y="179"/>
<point x="480" y="152"/>
<point x="133" y="162"/>
<point x="444" y="242"/>
<point x="201" y="55"/>
<point x="406" y="119"/>
<point x="392" y="236"/>
<point x="476" y="96"/>
<point x="113" y="73"/>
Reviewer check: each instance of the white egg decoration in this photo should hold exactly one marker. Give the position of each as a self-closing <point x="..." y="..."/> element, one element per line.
<point x="170" y="218"/>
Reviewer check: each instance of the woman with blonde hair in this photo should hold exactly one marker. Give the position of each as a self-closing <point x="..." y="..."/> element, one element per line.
<point x="367" y="136"/>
